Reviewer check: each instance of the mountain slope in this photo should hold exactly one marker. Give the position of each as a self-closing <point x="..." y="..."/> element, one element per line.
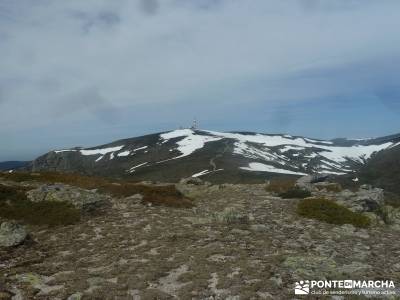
<point x="216" y="156"/>
<point x="383" y="170"/>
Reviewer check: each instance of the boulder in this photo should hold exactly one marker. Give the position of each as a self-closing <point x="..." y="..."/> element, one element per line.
<point x="82" y="199"/>
<point x="306" y="182"/>
<point x="366" y="199"/>
<point x="191" y="180"/>
<point x="12" y="234"/>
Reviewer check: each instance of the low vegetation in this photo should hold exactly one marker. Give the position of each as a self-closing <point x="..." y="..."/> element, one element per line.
<point x="166" y="195"/>
<point x="330" y="212"/>
<point x="231" y="216"/>
<point x="392" y="199"/>
<point x="295" y="192"/>
<point x="14" y="205"/>
<point x="331" y="187"/>
<point x="280" y="185"/>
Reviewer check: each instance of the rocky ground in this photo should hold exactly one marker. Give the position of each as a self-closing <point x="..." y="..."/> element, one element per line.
<point x="238" y="242"/>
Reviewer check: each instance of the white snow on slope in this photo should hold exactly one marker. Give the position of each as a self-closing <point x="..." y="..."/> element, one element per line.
<point x="176" y="133"/>
<point x="290" y="147"/>
<point x="89" y="152"/>
<point x="357" y="153"/>
<point x="67" y="150"/>
<point x="100" y="151"/>
<point x="191" y="141"/>
<point x="260" y="146"/>
<point x="201" y="173"/>
<point x="133" y="169"/>
<point x="259" y="167"/>
<point x="129" y="152"/>
<point x="331" y="152"/>
<point x="266" y="140"/>
<point x="124" y="153"/>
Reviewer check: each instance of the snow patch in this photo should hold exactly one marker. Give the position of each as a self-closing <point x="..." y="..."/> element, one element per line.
<point x="133" y="169"/>
<point x="201" y="173"/>
<point x="129" y="152"/>
<point x="124" y="153"/>
<point x="259" y="167"/>
<point x="357" y="153"/>
<point x="100" y="151"/>
<point x="66" y="150"/>
<point x="191" y="141"/>
<point x="290" y="147"/>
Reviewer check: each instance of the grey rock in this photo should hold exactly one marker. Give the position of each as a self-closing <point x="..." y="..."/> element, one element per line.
<point x="12" y="234"/>
<point x="366" y="199"/>
<point x="259" y="227"/>
<point x="84" y="200"/>
<point x="76" y="296"/>
<point x="306" y="182"/>
<point x="191" y="180"/>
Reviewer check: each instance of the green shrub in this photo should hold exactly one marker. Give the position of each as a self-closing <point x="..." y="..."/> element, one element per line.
<point x="295" y="193"/>
<point x="330" y="212"/>
<point x="11" y="193"/>
<point x="14" y="205"/>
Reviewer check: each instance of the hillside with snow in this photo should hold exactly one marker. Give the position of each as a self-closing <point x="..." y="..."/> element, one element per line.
<point x="172" y="155"/>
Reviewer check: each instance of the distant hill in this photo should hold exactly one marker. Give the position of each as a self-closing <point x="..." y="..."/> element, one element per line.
<point x="10" y="165"/>
<point x="217" y="156"/>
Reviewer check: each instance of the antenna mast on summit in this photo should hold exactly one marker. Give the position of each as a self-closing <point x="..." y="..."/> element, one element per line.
<point x="194" y="124"/>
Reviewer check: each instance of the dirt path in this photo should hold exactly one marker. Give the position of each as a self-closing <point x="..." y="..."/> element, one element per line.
<point x="212" y="160"/>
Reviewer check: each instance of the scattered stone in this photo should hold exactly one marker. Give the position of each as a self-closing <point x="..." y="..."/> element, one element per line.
<point x="39" y="282"/>
<point x="259" y="227"/>
<point x="75" y="296"/>
<point x="12" y="234"/>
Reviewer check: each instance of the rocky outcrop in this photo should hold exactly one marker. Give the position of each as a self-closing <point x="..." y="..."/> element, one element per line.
<point x="191" y="180"/>
<point x="366" y="199"/>
<point x="84" y="200"/>
<point x="12" y="234"/>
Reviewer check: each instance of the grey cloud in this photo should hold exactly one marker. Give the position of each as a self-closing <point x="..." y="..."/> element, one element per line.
<point x="89" y="100"/>
<point x="149" y="7"/>
<point x="230" y="52"/>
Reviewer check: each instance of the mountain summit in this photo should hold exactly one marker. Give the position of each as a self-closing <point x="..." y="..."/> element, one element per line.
<point x="218" y="156"/>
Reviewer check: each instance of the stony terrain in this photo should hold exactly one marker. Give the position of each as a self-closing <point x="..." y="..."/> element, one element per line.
<point x="238" y="242"/>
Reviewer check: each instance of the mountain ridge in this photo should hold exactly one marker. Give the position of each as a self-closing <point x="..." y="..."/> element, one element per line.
<point x="171" y="155"/>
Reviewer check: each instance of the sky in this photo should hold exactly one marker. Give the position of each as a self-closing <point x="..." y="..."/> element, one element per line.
<point x="83" y="73"/>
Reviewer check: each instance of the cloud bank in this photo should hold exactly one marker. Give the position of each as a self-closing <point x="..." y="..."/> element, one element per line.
<point x="101" y="62"/>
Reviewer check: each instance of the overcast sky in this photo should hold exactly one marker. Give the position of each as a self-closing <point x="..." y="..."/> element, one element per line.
<point x="82" y="73"/>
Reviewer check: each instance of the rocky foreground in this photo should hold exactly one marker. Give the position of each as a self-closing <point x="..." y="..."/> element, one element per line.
<point x="238" y="242"/>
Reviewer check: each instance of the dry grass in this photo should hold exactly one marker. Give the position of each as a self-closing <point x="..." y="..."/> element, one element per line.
<point x="280" y="185"/>
<point x="332" y="187"/>
<point x="156" y="195"/>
